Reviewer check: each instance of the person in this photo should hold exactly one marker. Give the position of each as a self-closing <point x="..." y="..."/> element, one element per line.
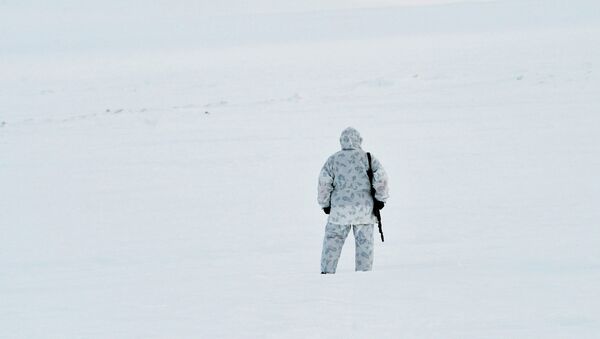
<point x="344" y="193"/>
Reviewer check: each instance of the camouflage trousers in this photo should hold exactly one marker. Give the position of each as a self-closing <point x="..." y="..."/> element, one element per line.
<point x="335" y="236"/>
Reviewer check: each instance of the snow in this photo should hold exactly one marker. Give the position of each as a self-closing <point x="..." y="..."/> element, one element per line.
<point x="164" y="185"/>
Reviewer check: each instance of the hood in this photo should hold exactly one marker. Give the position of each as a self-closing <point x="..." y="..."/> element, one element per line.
<point x="350" y="139"/>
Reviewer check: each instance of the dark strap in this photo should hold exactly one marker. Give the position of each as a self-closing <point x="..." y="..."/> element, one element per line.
<point x="370" y="174"/>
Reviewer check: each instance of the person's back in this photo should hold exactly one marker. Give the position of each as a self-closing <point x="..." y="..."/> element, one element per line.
<point x="345" y="194"/>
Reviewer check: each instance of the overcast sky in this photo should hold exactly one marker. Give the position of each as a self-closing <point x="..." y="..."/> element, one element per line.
<point x="208" y="7"/>
<point x="32" y="26"/>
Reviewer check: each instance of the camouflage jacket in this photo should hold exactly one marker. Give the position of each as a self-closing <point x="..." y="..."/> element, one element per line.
<point x="344" y="184"/>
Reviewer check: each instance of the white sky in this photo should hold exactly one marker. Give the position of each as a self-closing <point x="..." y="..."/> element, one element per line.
<point x="31" y="26"/>
<point x="267" y="6"/>
<point x="211" y="7"/>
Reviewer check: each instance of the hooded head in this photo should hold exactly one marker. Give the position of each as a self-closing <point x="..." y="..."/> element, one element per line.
<point x="350" y="139"/>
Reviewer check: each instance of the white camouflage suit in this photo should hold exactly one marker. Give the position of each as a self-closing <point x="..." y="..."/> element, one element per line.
<point x="344" y="187"/>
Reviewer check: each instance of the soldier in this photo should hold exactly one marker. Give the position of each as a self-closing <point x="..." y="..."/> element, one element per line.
<point x="345" y="195"/>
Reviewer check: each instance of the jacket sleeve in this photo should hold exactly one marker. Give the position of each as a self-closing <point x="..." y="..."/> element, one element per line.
<point x="325" y="185"/>
<point x="380" y="180"/>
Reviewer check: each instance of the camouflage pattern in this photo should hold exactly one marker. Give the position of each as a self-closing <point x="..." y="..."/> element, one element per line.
<point x="344" y="184"/>
<point x="335" y="236"/>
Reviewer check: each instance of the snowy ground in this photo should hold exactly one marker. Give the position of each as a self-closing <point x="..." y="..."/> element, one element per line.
<point x="171" y="192"/>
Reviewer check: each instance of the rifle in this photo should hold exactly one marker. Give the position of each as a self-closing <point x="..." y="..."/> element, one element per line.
<point x="376" y="212"/>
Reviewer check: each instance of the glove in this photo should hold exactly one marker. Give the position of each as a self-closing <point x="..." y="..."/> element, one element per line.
<point x="378" y="204"/>
<point x="327" y="209"/>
